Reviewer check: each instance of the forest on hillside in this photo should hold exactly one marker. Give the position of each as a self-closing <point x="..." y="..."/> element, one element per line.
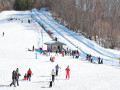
<point x="98" y="20"/>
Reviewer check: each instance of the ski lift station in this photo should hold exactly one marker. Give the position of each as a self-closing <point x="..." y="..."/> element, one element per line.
<point x="54" y="46"/>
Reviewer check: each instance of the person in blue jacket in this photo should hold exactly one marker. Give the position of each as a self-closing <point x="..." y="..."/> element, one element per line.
<point x="57" y="68"/>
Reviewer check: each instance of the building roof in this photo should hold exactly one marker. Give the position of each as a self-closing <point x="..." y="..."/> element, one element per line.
<point x="54" y="43"/>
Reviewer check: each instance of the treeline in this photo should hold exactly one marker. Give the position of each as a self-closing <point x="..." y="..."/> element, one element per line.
<point x="21" y="4"/>
<point x="95" y="19"/>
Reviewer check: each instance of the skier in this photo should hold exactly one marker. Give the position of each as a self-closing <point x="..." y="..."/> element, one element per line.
<point x="53" y="75"/>
<point x="67" y="72"/>
<point x="33" y="48"/>
<point x="55" y="38"/>
<point x="63" y="53"/>
<point x="29" y="72"/>
<point x="17" y="76"/>
<point x="56" y="54"/>
<point x="49" y="53"/>
<point x="91" y="59"/>
<point x="87" y="56"/>
<point x="57" y="68"/>
<point x="99" y="60"/>
<point x="3" y="33"/>
<point x="67" y="50"/>
<point x="13" y="78"/>
<point x="77" y="54"/>
<point x="29" y="21"/>
<point x="73" y="55"/>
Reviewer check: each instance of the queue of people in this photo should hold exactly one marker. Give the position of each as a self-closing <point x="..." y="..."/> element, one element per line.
<point x="90" y="58"/>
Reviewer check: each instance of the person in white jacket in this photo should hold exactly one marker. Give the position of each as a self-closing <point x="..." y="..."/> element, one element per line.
<point x="53" y="75"/>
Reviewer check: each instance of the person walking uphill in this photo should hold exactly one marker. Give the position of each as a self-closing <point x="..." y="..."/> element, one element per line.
<point x="67" y="72"/>
<point x="29" y="72"/>
<point x="57" y="68"/>
<point x="14" y="76"/>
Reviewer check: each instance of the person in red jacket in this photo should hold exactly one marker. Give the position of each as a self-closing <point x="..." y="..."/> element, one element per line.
<point x="63" y="53"/>
<point x="29" y="72"/>
<point x="67" y="72"/>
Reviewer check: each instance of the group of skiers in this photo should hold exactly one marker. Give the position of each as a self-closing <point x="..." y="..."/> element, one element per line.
<point x="53" y="73"/>
<point x="69" y="52"/>
<point x="16" y="74"/>
<point x="89" y="58"/>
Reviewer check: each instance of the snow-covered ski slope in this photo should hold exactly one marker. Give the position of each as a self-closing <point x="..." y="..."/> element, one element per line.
<point x="70" y="38"/>
<point x="14" y="45"/>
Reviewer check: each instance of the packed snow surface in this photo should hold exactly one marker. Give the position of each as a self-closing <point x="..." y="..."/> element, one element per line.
<point x="14" y="45"/>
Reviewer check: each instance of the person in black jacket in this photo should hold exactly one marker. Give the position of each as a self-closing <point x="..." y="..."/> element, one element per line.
<point x="17" y="76"/>
<point x="14" y="76"/>
<point x="99" y="60"/>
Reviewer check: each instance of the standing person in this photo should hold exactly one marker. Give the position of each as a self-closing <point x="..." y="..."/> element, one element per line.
<point x="99" y="60"/>
<point x="67" y="72"/>
<point x="56" y="54"/>
<point x="51" y="58"/>
<point x="53" y="75"/>
<point x="73" y="55"/>
<point x="13" y="78"/>
<point x="3" y="33"/>
<point x="29" y="21"/>
<point x="57" y="68"/>
<point x="63" y="53"/>
<point x="17" y="70"/>
<point x="91" y="59"/>
<point x="49" y="53"/>
<point x="17" y="76"/>
<point x="29" y="72"/>
<point x="33" y="48"/>
<point x="67" y="50"/>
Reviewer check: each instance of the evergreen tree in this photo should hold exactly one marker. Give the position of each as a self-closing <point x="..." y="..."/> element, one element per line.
<point x="20" y="5"/>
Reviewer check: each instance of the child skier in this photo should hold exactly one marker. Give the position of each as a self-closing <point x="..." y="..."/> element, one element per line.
<point x="67" y="72"/>
<point x="25" y="77"/>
